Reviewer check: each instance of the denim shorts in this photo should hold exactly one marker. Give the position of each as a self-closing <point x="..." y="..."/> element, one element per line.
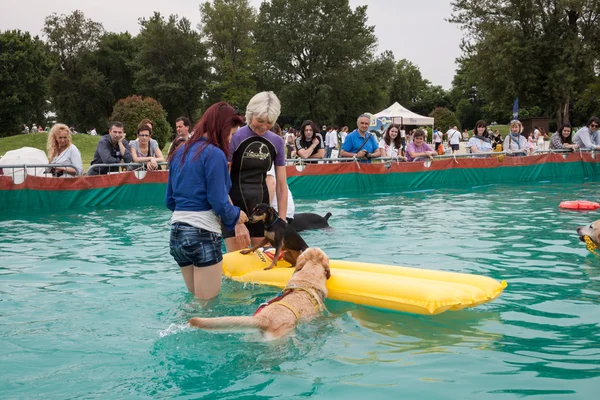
<point x="197" y="246"/>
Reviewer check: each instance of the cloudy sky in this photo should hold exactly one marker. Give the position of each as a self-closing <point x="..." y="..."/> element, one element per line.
<point x="415" y="30"/>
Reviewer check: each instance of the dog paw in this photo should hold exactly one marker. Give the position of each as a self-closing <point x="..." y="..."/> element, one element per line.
<point x="247" y="251"/>
<point x="269" y="267"/>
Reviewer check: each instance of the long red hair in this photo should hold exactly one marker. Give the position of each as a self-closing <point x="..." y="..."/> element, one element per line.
<point x="216" y="123"/>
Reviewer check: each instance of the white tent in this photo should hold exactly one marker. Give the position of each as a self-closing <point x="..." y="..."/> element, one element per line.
<point x="400" y="115"/>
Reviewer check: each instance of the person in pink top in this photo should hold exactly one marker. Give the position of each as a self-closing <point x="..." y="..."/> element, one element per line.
<point x="418" y="149"/>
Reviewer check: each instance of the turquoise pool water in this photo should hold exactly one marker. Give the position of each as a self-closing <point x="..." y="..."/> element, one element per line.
<point x="93" y="306"/>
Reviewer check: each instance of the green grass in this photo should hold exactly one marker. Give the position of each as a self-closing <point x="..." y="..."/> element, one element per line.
<point x="503" y="129"/>
<point x="85" y="143"/>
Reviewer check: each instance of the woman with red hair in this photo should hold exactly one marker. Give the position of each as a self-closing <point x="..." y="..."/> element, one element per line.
<point x="197" y="193"/>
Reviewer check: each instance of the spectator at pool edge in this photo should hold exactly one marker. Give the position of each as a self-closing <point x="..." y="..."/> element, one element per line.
<point x="514" y="141"/>
<point x="111" y="149"/>
<point x="418" y="149"/>
<point x="561" y="139"/>
<point x="61" y="150"/>
<point x="588" y="137"/>
<point x="360" y="143"/>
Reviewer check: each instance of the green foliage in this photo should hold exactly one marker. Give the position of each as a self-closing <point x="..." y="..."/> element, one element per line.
<point x="85" y="143"/>
<point x="228" y="27"/>
<point x="24" y="66"/>
<point x="132" y="110"/>
<point x="538" y="50"/>
<point x="113" y="59"/>
<point x="444" y="118"/>
<point x="79" y="92"/>
<point x="312" y="52"/>
<point x="171" y="64"/>
<point x="407" y="83"/>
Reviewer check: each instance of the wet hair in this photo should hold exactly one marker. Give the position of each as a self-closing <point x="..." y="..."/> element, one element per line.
<point x="568" y="138"/>
<point x="216" y="123"/>
<point x="304" y="125"/>
<point x="397" y="139"/>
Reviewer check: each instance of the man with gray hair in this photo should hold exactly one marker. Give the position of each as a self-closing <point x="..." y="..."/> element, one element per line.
<point x="360" y="143"/>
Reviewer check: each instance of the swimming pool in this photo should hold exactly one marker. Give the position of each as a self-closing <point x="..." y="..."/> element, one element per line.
<point x="92" y="306"/>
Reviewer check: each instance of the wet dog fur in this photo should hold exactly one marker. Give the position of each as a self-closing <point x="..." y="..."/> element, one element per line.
<point x="276" y="320"/>
<point x="592" y="230"/>
<point x="278" y="233"/>
<point x="306" y="221"/>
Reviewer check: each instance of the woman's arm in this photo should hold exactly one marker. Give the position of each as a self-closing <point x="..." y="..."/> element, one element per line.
<point x="158" y="155"/>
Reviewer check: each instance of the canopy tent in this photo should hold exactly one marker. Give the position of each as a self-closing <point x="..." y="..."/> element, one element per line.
<point x="400" y="115"/>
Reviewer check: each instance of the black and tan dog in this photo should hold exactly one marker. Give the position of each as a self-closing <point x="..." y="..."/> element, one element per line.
<point x="278" y="234"/>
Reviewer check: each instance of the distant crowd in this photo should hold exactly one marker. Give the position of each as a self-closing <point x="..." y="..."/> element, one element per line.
<point x="311" y="143"/>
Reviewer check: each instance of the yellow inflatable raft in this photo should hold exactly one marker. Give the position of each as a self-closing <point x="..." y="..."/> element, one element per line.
<point x="411" y="290"/>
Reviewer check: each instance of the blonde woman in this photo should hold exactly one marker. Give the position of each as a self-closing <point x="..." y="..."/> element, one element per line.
<point x="514" y="142"/>
<point x="61" y="150"/>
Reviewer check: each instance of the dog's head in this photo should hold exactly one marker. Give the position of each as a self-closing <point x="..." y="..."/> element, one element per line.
<point x="313" y="255"/>
<point x="262" y="212"/>
<point x="593" y="231"/>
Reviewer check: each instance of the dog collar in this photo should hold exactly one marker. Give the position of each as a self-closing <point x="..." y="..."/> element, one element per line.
<point x="272" y="223"/>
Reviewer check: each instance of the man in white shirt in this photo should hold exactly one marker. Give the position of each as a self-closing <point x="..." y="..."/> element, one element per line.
<point x="331" y="141"/>
<point x="454" y="137"/>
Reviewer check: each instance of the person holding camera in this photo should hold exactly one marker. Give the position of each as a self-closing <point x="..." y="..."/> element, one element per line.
<point x="360" y="143"/>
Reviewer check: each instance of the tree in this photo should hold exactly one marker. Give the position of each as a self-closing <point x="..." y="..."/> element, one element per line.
<point x="305" y="45"/>
<point x="429" y="98"/>
<point x="444" y="118"/>
<point x="407" y="84"/>
<point x="79" y="92"/>
<point x="133" y="109"/>
<point x="171" y="64"/>
<point x="228" y="26"/>
<point x="24" y="66"/>
<point x="538" y="50"/>
<point x="113" y="58"/>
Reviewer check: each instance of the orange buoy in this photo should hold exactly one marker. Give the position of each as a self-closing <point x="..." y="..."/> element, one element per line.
<point x="579" y="205"/>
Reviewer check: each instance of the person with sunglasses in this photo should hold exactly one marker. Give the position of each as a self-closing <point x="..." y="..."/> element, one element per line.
<point x="588" y="137"/>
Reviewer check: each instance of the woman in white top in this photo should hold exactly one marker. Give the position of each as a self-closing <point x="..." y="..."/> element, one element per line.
<point x="479" y="143"/>
<point x="291" y="209"/>
<point x="145" y="149"/>
<point x="61" y="150"/>
<point x="391" y="143"/>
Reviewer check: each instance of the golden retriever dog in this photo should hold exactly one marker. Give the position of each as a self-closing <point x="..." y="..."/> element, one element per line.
<point x="593" y="231"/>
<point x="301" y="299"/>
